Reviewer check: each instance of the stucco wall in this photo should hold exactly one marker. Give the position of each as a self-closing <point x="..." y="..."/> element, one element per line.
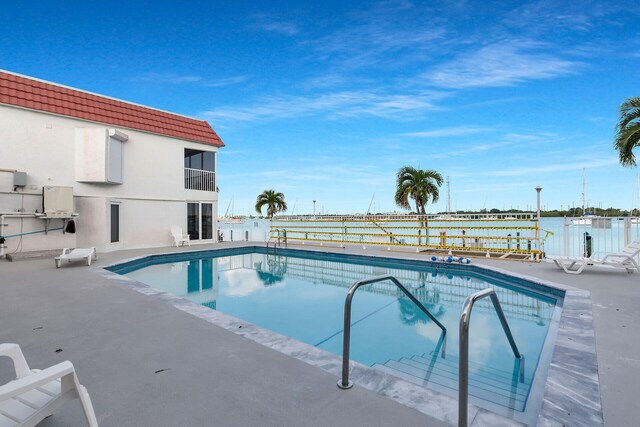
<point x="152" y="195"/>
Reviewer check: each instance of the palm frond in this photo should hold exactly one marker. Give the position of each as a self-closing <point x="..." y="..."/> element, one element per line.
<point x="629" y="111"/>
<point x="628" y="131"/>
<point x="626" y="140"/>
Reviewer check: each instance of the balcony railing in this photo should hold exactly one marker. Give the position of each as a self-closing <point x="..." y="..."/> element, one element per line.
<point x="196" y="179"/>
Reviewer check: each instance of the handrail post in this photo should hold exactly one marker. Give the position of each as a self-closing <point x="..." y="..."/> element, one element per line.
<point x="463" y="369"/>
<point x="344" y="383"/>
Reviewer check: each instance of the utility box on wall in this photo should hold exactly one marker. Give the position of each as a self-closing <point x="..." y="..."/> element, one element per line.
<point x="19" y="179"/>
<point x="98" y="156"/>
<point x="57" y="202"/>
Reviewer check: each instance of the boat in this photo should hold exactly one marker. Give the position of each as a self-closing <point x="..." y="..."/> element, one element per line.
<point x="231" y="219"/>
<point x="586" y="219"/>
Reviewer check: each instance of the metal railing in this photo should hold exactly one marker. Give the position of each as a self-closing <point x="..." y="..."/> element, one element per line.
<point x="516" y="236"/>
<point x="196" y="179"/>
<point x="465" y="318"/>
<point x="278" y="239"/>
<point x="344" y="382"/>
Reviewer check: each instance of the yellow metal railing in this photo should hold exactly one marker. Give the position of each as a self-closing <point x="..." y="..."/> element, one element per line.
<point x="508" y="234"/>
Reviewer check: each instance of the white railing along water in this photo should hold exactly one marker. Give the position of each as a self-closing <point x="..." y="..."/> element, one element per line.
<point x="583" y="237"/>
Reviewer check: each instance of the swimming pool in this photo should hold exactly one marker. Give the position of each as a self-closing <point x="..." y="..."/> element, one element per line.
<point x="301" y="295"/>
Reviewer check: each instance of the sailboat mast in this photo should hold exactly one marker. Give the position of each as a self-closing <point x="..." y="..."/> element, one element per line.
<point x="226" y="214"/>
<point x="371" y="203"/>
<point x="448" y="195"/>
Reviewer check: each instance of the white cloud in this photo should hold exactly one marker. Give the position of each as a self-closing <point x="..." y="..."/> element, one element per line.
<point x="171" y="78"/>
<point x="369" y="36"/>
<point x="275" y="24"/>
<point x="447" y="132"/>
<point x="478" y="148"/>
<point x="315" y="171"/>
<point x="336" y="104"/>
<point x="500" y="64"/>
<point x="227" y="81"/>
<point x="178" y="79"/>
<point x="561" y="167"/>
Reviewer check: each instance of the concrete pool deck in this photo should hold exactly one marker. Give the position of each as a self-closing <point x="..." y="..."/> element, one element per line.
<point x="118" y="339"/>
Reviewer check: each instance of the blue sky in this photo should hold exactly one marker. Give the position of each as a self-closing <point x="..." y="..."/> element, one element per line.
<point x="327" y="101"/>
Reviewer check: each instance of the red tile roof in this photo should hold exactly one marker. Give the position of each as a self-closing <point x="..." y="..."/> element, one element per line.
<point x="34" y="94"/>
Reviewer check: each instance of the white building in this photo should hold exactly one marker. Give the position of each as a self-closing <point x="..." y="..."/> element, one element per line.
<point x="134" y="171"/>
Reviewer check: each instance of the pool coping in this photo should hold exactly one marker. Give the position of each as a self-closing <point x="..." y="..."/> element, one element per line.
<point x="571" y="393"/>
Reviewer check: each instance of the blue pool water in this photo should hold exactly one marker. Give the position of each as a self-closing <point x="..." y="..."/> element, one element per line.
<point x="301" y="295"/>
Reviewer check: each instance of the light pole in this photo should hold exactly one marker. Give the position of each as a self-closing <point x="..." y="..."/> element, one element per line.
<point x="538" y="190"/>
<point x="314" y="209"/>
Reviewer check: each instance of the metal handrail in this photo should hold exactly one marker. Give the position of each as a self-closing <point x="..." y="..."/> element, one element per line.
<point x="344" y="382"/>
<point x="465" y="318"/>
<point x="279" y="239"/>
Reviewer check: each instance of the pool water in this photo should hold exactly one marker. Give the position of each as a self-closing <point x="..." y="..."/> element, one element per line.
<point x="303" y="297"/>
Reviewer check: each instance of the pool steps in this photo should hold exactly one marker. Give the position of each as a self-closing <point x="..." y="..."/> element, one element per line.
<point x="489" y="384"/>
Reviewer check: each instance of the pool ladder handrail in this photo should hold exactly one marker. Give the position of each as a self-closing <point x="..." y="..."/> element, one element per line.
<point x="279" y="239"/>
<point x="344" y="382"/>
<point x="463" y="369"/>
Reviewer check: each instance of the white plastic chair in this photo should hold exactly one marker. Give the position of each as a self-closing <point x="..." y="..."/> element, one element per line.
<point x="624" y="260"/>
<point x="76" y="255"/>
<point x="178" y="237"/>
<point x="35" y="394"/>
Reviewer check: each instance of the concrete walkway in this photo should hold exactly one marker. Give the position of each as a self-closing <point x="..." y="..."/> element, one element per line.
<point x="148" y="364"/>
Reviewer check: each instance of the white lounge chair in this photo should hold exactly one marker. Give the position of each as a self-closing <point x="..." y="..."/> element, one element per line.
<point x="178" y="237"/>
<point x="35" y="394"/>
<point x="75" y="255"/>
<point x="624" y="260"/>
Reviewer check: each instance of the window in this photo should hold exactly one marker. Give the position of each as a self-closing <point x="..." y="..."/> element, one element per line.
<point x="115" y="223"/>
<point x="200" y="160"/>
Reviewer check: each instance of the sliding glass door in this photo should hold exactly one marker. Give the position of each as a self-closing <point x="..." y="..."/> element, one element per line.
<point x="200" y="220"/>
<point x="206" y="224"/>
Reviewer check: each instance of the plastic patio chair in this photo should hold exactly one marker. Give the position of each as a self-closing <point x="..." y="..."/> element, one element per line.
<point x="178" y="237"/>
<point x="76" y="255"/>
<point x="35" y="394"/>
<point x="616" y="260"/>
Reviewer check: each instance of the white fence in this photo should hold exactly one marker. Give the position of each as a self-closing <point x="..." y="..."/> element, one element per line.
<point x="244" y="230"/>
<point x="595" y="237"/>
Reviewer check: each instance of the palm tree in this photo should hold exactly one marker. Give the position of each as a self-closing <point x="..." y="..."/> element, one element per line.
<point x="419" y="185"/>
<point x="628" y="131"/>
<point x="273" y="201"/>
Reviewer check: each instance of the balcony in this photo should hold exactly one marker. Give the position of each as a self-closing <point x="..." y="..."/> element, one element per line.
<point x="196" y="179"/>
